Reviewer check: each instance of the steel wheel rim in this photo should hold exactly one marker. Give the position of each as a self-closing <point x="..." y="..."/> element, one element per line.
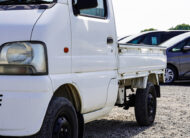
<point x="169" y="75"/>
<point x="151" y="106"/>
<point x="62" y="128"/>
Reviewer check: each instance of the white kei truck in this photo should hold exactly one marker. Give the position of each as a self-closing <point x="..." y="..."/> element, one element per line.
<point x="61" y="67"/>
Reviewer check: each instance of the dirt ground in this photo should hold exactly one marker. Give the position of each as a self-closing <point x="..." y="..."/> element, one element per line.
<point x="172" y="119"/>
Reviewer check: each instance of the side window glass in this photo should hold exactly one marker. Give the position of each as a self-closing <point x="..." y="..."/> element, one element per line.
<point x="136" y="41"/>
<point x="150" y="39"/>
<point x="154" y="40"/>
<point x="147" y="40"/>
<point x="99" y="11"/>
<point x="178" y="47"/>
<point x="188" y="43"/>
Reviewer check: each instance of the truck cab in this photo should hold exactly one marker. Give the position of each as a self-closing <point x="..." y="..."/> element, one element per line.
<point x="61" y="67"/>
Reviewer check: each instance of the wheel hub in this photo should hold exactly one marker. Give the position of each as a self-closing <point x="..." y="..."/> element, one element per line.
<point x="151" y="106"/>
<point x="169" y="75"/>
<point x="62" y="128"/>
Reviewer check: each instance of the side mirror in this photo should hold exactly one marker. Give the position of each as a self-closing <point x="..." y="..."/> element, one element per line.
<point x="186" y="48"/>
<point x="86" y="4"/>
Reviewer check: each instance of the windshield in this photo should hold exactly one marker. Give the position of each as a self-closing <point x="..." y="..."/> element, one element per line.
<point x="23" y="2"/>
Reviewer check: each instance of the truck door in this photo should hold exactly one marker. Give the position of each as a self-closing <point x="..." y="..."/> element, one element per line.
<point x="183" y="56"/>
<point x="185" y="60"/>
<point x="93" y="53"/>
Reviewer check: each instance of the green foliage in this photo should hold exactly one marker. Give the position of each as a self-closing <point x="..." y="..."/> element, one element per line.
<point x="150" y="29"/>
<point x="181" y="27"/>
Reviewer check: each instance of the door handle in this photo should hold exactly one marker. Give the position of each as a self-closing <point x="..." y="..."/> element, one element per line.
<point x="109" y="40"/>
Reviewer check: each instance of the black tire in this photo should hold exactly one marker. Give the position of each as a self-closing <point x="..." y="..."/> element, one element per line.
<point x="60" y="120"/>
<point x="80" y="125"/>
<point x="170" y="75"/>
<point x="145" y="105"/>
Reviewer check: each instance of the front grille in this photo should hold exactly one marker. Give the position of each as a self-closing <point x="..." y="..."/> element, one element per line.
<point x="1" y="98"/>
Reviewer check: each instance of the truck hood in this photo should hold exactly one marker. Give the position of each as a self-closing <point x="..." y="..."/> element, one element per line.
<point x="17" y="25"/>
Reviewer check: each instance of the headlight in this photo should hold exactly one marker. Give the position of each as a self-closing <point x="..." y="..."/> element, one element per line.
<point x="23" y="58"/>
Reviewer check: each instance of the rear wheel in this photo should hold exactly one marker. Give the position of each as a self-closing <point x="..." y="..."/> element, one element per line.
<point x="60" y="121"/>
<point x="145" y="105"/>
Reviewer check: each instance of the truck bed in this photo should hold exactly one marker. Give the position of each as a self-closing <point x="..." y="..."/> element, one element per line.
<point x="140" y="60"/>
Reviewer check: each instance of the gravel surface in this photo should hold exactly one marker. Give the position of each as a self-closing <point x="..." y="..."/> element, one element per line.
<point x="172" y="119"/>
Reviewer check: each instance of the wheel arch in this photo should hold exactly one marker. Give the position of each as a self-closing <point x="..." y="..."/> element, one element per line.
<point x="142" y="81"/>
<point x="154" y="79"/>
<point x="70" y="92"/>
<point x="177" y="72"/>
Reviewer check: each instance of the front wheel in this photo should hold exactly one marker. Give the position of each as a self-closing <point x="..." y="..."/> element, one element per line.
<point x="170" y="74"/>
<point x="145" y="105"/>
<point x="60" y="121"/>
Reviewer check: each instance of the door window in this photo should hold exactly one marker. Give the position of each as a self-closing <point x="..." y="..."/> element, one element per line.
<point x="178" y="47"/>
<point x="99" y="12"/>
<point x="188" y="43"/>
<point x="148" y="39"/>
<point x="152" y="39"/>
<point x="137" y="40"/>
<point x="168" y="35"/>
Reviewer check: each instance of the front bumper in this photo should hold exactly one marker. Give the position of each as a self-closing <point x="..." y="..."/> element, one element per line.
<point x="23" y="104"/>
